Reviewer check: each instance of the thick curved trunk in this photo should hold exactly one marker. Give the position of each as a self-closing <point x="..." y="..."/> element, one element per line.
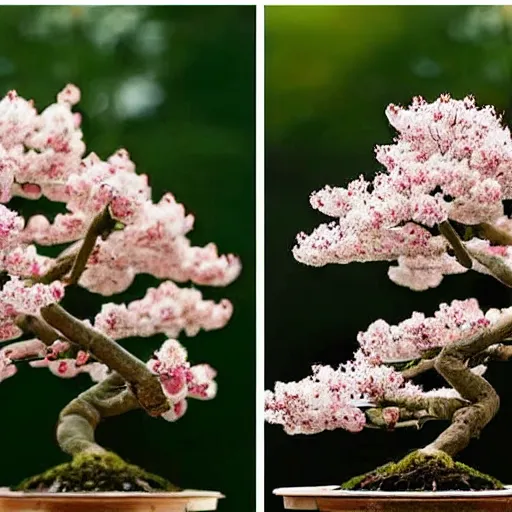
<point x="131" y="386"/>
<point x="145" y="386"/>
<point x="484" y="402"/>
<point x="79" y="419"/>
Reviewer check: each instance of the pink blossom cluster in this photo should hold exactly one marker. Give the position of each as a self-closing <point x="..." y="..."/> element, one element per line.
<point x="11" y="225"/>
<point x="18" y="298"/>
<point x="39" y="151"/>
<point x="179" y="379"/>
<point x="17" y="258"/>
<point x="42" y="154"/>
<point x="41" y="356"/>
<point x="451" y="160"/>
<point x="167" y="309"/>
<point x="93" y="186"/>
<point x="330" y="398"/>
<point x="156" y="244"/>
<point x="68" y="368"/>
<point x="422" y="272"/>
<point x="335" y="398"/>
<point x="412" y="337"/>
<point x="24" y="261"/>
<point x="451" y="132"/>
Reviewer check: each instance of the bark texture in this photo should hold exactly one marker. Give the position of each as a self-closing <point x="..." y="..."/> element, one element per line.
<point x="468" y="422"/>
<point x="460" y="251"/>
<point x="145" y="386"/>
<point x="492" y="233"/>
<point x="495" y="265"/>
<point x="79" y="419"/>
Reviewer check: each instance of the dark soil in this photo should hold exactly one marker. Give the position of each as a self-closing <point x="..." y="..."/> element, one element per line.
<point x="420" y="472"/>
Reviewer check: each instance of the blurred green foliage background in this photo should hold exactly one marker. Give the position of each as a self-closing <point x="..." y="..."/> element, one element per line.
<point x="330" y="73"/>
<point x="175" y="86"/>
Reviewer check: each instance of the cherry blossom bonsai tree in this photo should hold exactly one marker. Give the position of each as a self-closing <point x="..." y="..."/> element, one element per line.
<point x="111" y="230"/>
<point x="436" y="209"/>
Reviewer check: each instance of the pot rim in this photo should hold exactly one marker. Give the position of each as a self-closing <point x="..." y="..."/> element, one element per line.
<point x="335" y="491"/>
<point x="5" y="492"/>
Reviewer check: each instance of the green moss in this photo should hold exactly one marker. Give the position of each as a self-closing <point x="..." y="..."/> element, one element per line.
<point x="423" y="472"/>
<point x="96" y="473"/>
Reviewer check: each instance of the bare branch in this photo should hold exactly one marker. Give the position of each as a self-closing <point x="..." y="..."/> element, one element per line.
<point x="59" y="269"/>
<point x="492" y="233"/>
<point x="446" y="229"/>
<point x="423" y="366"/>
<point x="101" y="225"/>
<point x="39" y="328"/>
<point x="442" y="408"/>
<point x="143" y="383"/>
<point x="496" y="266"/>
<point x="499" y="352"/>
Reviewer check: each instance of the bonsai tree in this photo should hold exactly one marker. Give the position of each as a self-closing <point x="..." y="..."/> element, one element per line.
<point x="435" y="209"/>
<point x="109" y="231"/>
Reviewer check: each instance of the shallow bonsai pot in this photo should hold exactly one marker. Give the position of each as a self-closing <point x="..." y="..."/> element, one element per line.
<point x="183" y="501"/>
<point x="334" y="499"/>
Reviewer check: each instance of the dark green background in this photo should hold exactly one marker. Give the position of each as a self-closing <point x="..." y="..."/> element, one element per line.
<point x="197" y="143"/>
<point x="330" y="73"/>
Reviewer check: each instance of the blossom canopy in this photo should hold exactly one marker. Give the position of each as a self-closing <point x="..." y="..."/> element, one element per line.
<point x="42" y="154"/>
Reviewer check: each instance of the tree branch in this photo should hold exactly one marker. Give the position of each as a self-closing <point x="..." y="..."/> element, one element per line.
<point x="412" y="411"/>
<point x="101" y="225"/>
<point x="142" y="382"/>
<point x="499" y="352"/>
<point x="39" y="328"/>
<point x="60" y="268"/>
<point x="442" y="408"/>
<point x="492" y="233"/>
<point x="467" y="422"/>
<point x="423" y="366"/>
<point x="496" y="266"/>
<point x="461" y="253"/>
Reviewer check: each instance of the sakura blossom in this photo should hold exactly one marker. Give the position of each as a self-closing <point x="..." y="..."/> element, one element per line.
<point x="159" y="247"/>
<point x="167" y="309"/>
<point x="450" y="162"/>
<point x="330" y="398"/>
<point x="180" y="380"/>
<point x="413" y="337"/>
<point x="18" y="351"/>
<point x="67" y="368"/>
<point x="11" y="225"/>
<point x="112" y="230"/>
<point x="30" y="299"/>
<point x="17" y="298"/>
<point x="337" y="398"/>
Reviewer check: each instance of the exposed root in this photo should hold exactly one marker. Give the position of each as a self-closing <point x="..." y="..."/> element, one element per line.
<point x="419" y="471"/>
<point x="105" y="472"/>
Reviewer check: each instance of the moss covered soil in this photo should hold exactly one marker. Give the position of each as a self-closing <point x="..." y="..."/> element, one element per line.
<point x="423" y="472"/>
<point x="96" y="473"/>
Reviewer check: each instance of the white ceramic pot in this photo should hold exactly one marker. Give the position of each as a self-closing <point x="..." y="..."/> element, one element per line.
<point x="333" y="499"/>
